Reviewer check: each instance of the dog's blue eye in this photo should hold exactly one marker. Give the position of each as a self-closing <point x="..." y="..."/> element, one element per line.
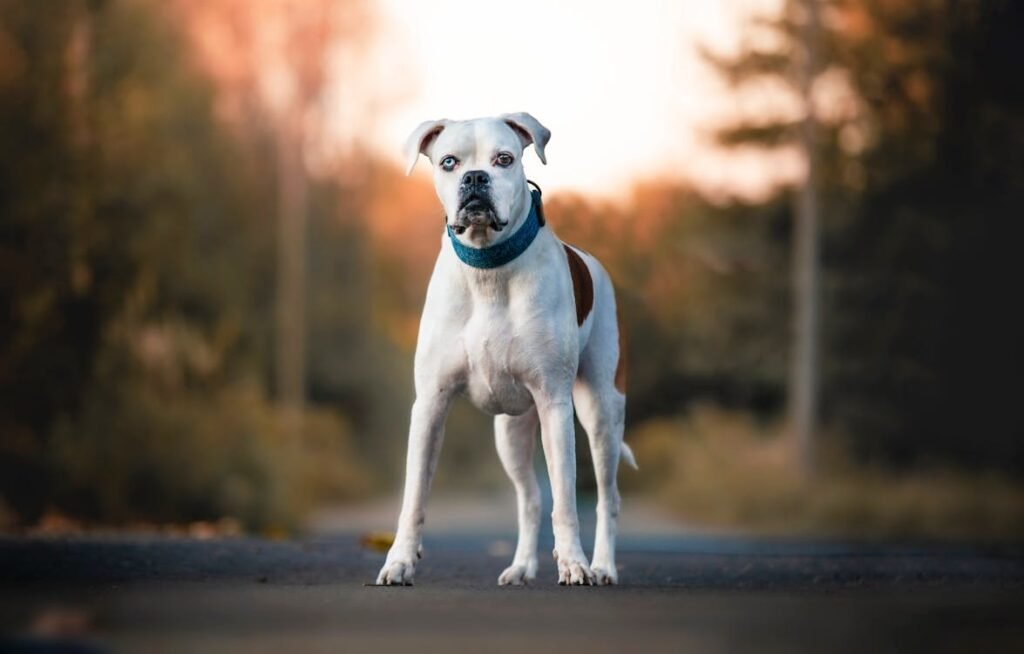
<point x="449" y="163"/>
<point x="504" y="160"/>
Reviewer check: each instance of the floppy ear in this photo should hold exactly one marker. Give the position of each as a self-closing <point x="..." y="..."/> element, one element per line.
<point x="420" y="140"/>
<point x="530" y="131"/>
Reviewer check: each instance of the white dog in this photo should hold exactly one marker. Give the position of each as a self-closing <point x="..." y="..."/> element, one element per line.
<point x="527" y="327"/>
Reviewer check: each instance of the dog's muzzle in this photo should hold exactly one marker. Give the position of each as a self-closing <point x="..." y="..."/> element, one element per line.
<point x="475" y="206"/>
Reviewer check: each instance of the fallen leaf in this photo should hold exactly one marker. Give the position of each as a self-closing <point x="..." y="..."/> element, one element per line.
<point x="378" y="541"/>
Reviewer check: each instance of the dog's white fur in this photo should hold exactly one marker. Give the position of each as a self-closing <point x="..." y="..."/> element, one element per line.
<point x="508" y="337"/>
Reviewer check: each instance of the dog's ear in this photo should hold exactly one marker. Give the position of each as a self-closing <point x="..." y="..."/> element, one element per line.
<point x="530" y="131"/>
<point x="420" y="140"/>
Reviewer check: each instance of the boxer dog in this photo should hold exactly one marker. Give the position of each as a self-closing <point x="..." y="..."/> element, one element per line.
<point x="526" y="326"/>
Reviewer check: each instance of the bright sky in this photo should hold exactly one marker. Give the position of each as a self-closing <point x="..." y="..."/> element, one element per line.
<point x="620" y="85"/>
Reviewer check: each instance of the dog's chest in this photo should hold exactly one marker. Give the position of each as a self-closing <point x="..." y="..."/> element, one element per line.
<point x="497" y="361"/>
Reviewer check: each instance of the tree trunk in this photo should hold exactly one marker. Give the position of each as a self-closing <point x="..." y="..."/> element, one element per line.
<point x="803" y="384"/>
<point x="290" y="350"/>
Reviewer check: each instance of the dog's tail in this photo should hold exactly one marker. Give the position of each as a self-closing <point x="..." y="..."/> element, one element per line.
<point x="627" y="455"/>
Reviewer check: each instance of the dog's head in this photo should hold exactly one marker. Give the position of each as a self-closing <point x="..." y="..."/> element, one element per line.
<point x="478" y="171"/>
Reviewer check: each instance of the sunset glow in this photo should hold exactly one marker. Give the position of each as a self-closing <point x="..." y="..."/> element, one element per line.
<point x="621" y="86"/>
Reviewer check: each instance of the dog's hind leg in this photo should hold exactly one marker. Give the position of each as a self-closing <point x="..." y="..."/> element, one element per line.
<point x="601" y="412"/>
<point x="515" y="437"/>
<point x="600" y="402"/>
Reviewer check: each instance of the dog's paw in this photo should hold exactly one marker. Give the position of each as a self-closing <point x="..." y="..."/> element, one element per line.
<point x="396" y="573"/>
<point x="517" y="575"/>
<point x="574" y="570"/>
<point x="605" y="574"/>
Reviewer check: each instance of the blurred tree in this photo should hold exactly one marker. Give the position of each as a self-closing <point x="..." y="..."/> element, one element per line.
<point x="362" y="300"/>
<point x="794" y="61"/>
<point x="275" y="61"/>
<point x="920" y="166"/>
<point x="928" y="267"/>
<point x="64" y="269"/>
<point x="136" y="249"/>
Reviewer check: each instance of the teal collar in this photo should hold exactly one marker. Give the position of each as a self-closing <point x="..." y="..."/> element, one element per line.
<point x="507" y="250"/>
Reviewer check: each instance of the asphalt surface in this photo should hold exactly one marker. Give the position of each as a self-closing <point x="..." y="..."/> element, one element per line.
<point x="695" y="593"/>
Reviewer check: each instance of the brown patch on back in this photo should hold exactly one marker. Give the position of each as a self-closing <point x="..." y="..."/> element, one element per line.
<point x="582" y="284"/>
<point x="620" y="367"/>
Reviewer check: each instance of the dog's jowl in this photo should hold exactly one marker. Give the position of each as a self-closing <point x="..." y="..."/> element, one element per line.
<point x="526" y="326"/>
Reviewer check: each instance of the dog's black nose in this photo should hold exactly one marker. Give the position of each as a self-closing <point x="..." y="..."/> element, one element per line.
<point x="476" y="178"/>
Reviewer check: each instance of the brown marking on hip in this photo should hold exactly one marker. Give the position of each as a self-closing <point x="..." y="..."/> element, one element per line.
<point x="582" y="284"/>
<point x="620" y="367"/>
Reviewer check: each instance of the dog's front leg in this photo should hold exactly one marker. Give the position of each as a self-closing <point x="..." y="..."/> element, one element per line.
<point x="558" y="438"/>
<point x="426" y="431"/>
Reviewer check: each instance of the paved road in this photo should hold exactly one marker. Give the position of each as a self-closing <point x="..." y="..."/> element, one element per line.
<point x="695" y="593"/>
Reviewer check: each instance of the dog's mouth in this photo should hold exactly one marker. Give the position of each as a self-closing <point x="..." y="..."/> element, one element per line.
<point x="477" y="211"/>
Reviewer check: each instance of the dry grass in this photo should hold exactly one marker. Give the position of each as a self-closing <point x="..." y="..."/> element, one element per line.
<point x="726" y="469"/>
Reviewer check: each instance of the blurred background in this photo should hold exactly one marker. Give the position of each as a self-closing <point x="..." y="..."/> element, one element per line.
<point x="212" y="267"/>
